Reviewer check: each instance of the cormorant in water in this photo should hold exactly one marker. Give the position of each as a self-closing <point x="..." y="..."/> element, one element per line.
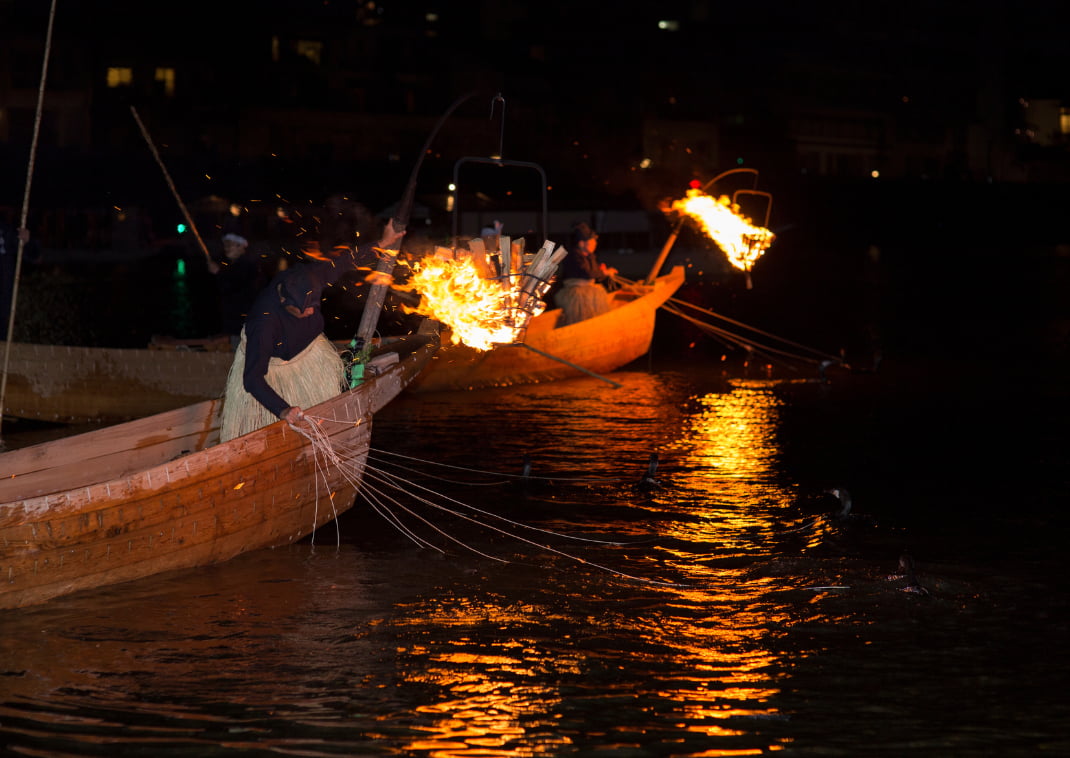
<point x="648" y="482"/>
<point x="845" y="502"/>
<point x="906" y="571"/>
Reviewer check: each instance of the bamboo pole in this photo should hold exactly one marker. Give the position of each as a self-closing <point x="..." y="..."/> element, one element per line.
<point x="171" y="184"/>
<point x="373" y="305"/>
<point x="25" y="211"/>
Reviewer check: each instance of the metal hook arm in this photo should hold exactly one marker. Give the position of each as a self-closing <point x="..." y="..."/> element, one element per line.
<point x="501" y="130"/>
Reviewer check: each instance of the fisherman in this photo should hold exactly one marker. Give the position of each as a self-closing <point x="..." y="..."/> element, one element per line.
<point x="283" y="362"/>
<point x="238" y="282"/>
<point x="582" y="294"/>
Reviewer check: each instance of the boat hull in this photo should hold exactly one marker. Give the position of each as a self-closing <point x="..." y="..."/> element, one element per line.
<point x="75" y="385"/>
<point x="600" y="345"/>
<point x="160" y="493"/>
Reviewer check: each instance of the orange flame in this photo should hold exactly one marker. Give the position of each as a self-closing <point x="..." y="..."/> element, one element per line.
<point x="480" y="313"/>
<point x="742" y="242"/>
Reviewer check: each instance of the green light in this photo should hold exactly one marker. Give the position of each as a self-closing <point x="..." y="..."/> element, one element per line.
<point x="180" y="269"/>
<point x="181" y="228"/>
<point x="739" y="161"/>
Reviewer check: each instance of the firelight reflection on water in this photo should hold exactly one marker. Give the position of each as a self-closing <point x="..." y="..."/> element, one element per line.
<point x="717" y="447"/>
<point x="731" y="642"/>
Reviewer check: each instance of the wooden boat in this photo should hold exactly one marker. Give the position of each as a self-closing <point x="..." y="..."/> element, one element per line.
<point x="76" y="385"/>
<point x="599" y="345"/>
<point x="162" y="492"/>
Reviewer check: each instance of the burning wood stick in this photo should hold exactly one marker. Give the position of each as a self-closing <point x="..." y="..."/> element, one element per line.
<point x="480" y="259"/>
<point x="505" y="250"/>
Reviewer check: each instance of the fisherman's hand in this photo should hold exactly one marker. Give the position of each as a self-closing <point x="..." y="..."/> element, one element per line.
<point x="293" y="415"/>
<point x="391" y="236"/>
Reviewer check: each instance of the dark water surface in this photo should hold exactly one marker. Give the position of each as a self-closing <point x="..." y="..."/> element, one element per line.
<point x="753" y="625"/>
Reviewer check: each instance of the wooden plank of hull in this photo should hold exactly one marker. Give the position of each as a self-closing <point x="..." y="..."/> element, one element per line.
<point x="602" y="344"/>
<point x="85" y="384"/>
<point x="178" y="509"/>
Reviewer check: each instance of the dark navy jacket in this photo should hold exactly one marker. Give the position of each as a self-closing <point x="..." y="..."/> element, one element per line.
<point x="271" y="331"/>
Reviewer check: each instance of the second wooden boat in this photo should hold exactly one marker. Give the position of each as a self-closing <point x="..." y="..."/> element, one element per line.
<point x="599" y="345"/>
<point x="76" y="385"/>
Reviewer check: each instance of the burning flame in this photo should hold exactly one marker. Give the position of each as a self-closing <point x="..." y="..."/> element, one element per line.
<point x="742" y="242"/>
<point x="480" y="313"/>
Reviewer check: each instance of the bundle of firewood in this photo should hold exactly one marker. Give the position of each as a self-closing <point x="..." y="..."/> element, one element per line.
<point x="526" y="276"/>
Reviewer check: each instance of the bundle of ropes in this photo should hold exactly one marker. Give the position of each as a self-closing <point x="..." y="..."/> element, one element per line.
<point x="410" y="507"/>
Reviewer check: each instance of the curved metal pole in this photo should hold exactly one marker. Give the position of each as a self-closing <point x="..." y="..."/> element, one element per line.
<point x="729" y="172"/>
<point x="656" y="268"/>
<point x="369" y="319"/>
<point x="502" y="163"/>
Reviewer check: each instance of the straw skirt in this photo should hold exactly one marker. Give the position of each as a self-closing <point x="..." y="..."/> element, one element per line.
<point x="580" y="299"/>
<point x="314" y="375"/>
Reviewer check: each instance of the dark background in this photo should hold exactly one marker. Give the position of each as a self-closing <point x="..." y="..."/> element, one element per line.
<point x="968" y="211"/>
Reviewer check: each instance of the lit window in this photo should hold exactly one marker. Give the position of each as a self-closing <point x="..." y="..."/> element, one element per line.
<point x="166" y="77"/>
<point x="311" y="50"/>
<point x="120" y="77"/>
<point x="1064" y="120"/>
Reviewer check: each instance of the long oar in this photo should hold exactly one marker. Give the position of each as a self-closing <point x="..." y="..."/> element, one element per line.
<point x="25" y="210"/>
<point x="544" y="354"/>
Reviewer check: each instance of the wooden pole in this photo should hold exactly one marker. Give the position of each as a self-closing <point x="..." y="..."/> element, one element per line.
<point x="171" y="184"/>
<point x="25" y="211"/>
<point x="656" y="268"/>
<point x="373" y="306"/>
<point x="576" y="366"/>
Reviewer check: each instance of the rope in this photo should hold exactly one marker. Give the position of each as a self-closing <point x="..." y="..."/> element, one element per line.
<point x="672" y="306"/>
<point x="376" y="486"/>
<point x="496" y="473"/>
<point x="26" y="206"/>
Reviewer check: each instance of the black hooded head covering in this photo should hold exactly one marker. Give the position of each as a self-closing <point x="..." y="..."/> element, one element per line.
<point x="300" y="287"/>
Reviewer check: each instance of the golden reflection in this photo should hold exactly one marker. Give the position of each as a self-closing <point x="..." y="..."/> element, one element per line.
<point x="700" y="659"/>
<point x="733" y="436"/>
<point x="726" y="457"/>
<point x="495" y="699"/>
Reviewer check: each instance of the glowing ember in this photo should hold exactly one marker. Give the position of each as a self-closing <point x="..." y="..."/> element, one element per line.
<point x="742" y="242"/>
<point x="479" y="312"/>
<point x="459" y="289"/>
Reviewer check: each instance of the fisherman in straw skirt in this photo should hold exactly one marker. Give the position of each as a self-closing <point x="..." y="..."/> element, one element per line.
<point x="582" y="294"/>
<point x="283" y="362"/>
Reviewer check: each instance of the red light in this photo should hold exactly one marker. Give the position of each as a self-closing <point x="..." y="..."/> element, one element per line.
<point x="695" y="184"/>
